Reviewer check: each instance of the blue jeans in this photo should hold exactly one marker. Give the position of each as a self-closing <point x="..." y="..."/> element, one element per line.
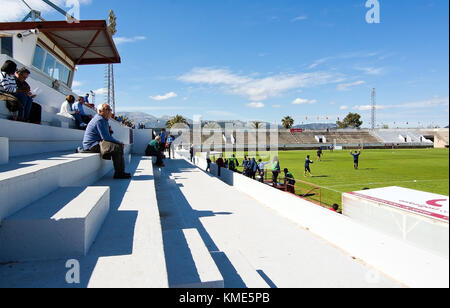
<point x="78" y="120"/>
<point x="27" y="102"/>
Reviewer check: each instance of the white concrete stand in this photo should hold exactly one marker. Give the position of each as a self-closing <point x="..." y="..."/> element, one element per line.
<point x="63" y="224"/>
<point x="4" y="150"/>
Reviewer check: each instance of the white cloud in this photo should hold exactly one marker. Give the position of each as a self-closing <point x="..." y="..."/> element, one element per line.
<point x="371" y="70"/>
<point x="256" y="89"/>
<point x="17" y="10"/>
<point x="302" y="101"/>
<point x="343" y="107"/>
<point x="123" y="40"/>
<point x="347" y="86"/>
<point x="76" y="84"/>
<point x="101" y="91"/>
<point x="434" y="102"/>
<point x="345" y="56"/>
<point x="256" y="105"/>
<point x="299" y="18"/>
<point x="164" y="97"/>
<point x="320" y="61"/>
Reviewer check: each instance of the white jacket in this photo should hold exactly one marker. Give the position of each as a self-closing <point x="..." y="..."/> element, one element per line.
<point x="67" y="111"/>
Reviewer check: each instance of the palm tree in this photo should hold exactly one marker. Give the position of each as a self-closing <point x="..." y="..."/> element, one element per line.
<point x="176" y="120"/>
<point x="287" y="122"/>
<point x="257" y="124"/>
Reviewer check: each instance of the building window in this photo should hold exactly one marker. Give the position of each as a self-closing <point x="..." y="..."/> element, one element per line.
<point x="49" y="66"/>
<point x="47" y="63"/>
<point x="6" y="46"/>
<point x="62" y="73"/>
<point x="39" y="56"/>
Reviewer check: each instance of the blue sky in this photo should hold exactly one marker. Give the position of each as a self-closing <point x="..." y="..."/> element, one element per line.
<point x="265" y="59"/>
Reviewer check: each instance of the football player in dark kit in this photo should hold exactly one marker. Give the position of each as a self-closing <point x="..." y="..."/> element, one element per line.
<point x="308" y="162"/>
<point x="356" y="158"/>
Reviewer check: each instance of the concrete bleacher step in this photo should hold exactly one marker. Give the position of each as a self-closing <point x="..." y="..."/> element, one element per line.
<point x="28" y="139"/>
<point x="28" y="179"/>
<point x="63" y="224"/>
<point x="248" y="275"/>
<point x="189" y="263"/>
<point x="4" y="150"/>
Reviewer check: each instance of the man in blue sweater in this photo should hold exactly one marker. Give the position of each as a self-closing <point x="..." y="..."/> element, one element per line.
<point x="97" y="139"/>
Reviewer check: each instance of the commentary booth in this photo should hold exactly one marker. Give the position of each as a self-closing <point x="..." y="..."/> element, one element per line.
<point x="52" y="51"/>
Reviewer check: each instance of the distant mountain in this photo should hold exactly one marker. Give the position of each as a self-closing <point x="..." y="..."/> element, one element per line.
<point x="147" y="119"/>
<point x="154" y="122"/>
<point x="317" y="126"/>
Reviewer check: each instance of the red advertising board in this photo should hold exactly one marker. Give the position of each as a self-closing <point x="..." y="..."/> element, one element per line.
<point x="297" y="130"/>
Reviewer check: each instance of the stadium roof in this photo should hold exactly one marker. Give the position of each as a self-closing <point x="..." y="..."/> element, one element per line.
<point x="85" y="42"/>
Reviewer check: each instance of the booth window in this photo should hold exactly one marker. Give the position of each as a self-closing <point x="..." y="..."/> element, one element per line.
<point x="47" y="63"/>
<point x="6" y="46"/>
<point x="39" y="56"/>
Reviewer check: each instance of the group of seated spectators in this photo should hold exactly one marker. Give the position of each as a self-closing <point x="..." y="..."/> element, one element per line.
<point x="159" y="145"/>
<point x="17" y="93"/>
<point x="75" y="111"/>
<point x="20" y="100"/>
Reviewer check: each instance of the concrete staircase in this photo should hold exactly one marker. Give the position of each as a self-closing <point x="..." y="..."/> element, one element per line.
<point x="61" y="225"/>
<point x="27" y="139"/>
<point x="111" y="228"/>
<point x="56" y="206"/>
<point x="25" y="180"/>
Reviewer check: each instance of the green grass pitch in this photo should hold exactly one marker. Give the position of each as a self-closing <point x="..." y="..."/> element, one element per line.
<point x="420" y="169"/>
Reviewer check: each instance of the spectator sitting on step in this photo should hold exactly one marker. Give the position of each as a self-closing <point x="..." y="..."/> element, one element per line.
<point x="8" y="86"/>
<point x="79" y="106"/>
<point x="98" y="140"/>
<point x="154" y="150"/>
<point x="68" y="112"/>
<point x="86" y="102"/>
<point x="22" y="85"/>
